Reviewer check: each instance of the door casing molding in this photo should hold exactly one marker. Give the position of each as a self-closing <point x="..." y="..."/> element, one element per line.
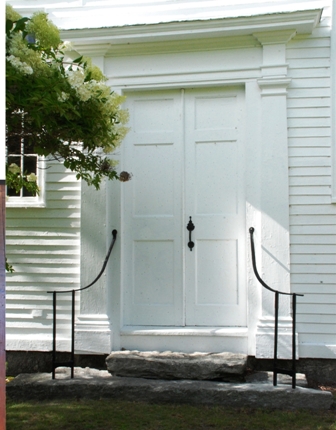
<point x="262" y="69"/>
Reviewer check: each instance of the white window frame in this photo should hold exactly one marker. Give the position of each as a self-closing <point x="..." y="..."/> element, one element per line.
<point x="28" y="201"/>
<point x="37" y="201"/>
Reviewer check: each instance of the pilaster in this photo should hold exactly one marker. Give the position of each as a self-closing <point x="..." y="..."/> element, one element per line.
<point x="93" y="334"/>
<point x="92" y="322"/>
<point x="273" y="238"/>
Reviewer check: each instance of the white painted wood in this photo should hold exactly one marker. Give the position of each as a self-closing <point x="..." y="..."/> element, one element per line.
<point x="333" y="95"/>
<point x="313" y="259"/>
<point x="215" y="196"/>
<point x="196" y="132"/>
<point x="146" y="57"/>
<point x="92" y="321"/>
<point x="274" y="234"/>
<point x="313" y="227"/>
<point x="314" y="319"/>
<point x="43" y="247"/>
<point x="93" y="14"/>
<point x="152" y="225"/>
<point x="187" y="339"/>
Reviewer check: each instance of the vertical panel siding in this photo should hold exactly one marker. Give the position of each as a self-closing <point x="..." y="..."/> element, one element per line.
<point x="42" y="244"/>
<point x="312" y="216"/>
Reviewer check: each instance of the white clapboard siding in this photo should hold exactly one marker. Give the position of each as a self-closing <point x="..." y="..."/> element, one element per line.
<point x="313" y="319"/>
<point x="309" y="180"/>
<point x="42" y="244"/>
<point x="312" y="216"/>
<point x="312" y="259"/>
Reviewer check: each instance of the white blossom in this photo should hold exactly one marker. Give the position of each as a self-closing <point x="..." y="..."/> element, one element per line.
<point x="14" y="168"/>
<point x="84" y="92"/>
<point x="66" y="46"/>
<point x="75" y="78"/>
<point x="31" y="177"/>
<point x="20" y="65"/>
<point x="63" y="97"/>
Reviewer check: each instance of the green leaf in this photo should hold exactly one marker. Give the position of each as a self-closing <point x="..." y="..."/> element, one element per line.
<point x="20" y="24"/>
<point x="9" y="26"/>
<point x="9" y="267"/>
<point x="78" y="60"/>
<point x="57" y="116"/>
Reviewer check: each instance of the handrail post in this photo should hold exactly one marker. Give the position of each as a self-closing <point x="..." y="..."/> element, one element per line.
<point x="71" y="363"/>
<point x="276" y="322"/>
<point x="54" y="335"/>
<point x="276" y="369"/>
<point x="73" y="334"/>
<point x="294" y="342"/>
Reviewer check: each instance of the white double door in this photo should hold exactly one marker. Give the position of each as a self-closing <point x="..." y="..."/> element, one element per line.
<point x="185" y="150"/>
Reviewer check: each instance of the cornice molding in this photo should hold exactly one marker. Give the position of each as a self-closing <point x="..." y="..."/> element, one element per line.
<point x="275" y="37"/>
<point x="301" y="22"/>
<point x="189" y="45"/>
<point x="275" y="86"/>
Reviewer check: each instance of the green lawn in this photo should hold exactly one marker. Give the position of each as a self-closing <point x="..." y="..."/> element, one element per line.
<point x="120" y="415"/>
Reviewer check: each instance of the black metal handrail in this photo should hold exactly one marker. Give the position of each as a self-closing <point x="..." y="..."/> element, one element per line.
<point x="71" y="362"/>
<point x="277" y="369"/>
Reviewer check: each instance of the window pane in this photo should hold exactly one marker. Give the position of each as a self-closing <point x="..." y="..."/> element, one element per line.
<point x="29" y="166"/>
<point x="20" y="151"/>
<point x="14" y="145"/>
<point x="13" y="160"/>
<point x="28" y="145"/>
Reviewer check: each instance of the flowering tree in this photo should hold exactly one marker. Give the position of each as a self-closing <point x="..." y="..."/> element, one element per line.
<point x="61" y="108"/>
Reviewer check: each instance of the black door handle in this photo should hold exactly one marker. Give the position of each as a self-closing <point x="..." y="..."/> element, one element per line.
<point x="190" y="228"/>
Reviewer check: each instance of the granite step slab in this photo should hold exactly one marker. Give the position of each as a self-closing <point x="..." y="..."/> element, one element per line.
<point x="95" y="384"/>
<point x="169" y="365"/>
<point x="264" y="377"/>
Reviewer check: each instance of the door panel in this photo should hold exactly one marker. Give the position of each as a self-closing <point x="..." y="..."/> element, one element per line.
<point x="152" y="245"/>
<point x="215" y="188"/>
<point x="154" y="188"/>
<point x="185" y="151"/>
<point x="215" y="196"/>
<point x="151" y="259"/>
<point x="216" y="266"/>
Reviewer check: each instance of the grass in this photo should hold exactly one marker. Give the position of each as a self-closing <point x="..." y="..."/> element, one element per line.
<point x="122" y="415"/>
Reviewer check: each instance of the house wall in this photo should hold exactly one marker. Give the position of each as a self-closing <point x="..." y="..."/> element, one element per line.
<point x="43" y="246"/>
<point x="312" y="215"/>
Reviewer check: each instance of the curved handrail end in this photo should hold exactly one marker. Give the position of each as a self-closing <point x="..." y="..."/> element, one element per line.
<point x="254" y="265"/>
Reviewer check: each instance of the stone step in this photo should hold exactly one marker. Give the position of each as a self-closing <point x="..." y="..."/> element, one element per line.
<point x="264" y="377"/>
<point x="95" y="384"/>
<point x="169" y="365"/>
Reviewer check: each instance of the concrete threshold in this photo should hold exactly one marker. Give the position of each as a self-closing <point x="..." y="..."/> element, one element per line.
<point x="96" y="384"/>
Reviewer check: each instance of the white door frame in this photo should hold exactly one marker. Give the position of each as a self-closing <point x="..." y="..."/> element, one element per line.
<point x="266" y="154"/>
<point x="261" y="67"/>
<point x="158" y="203"/>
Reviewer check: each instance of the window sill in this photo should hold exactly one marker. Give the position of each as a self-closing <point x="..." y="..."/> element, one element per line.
<point x="25" y="204"/>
